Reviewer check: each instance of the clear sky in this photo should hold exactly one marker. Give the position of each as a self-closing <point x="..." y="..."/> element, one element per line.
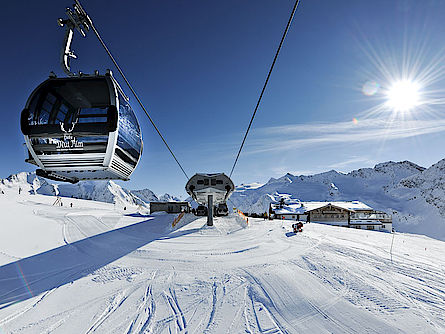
<point x="199" y="67"/>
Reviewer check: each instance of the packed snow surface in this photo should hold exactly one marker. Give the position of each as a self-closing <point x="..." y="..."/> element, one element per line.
<point x="93" y="267"/>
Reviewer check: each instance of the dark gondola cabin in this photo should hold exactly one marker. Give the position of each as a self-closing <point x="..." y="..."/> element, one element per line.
<point x="201" y="185"/>
<point x="81" y="128"/>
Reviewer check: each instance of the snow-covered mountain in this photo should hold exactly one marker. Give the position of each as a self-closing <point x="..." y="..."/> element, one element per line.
<point x="102" y="191"/>
<point x="415" y="196"/>
<point x="168" y="198"/>
<point x="28" y="182"/>
<point x="146" y="195"/>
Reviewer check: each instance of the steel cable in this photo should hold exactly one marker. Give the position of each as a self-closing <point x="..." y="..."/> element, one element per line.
<point x="265" y="84"/>
<point x="134" y="93"/>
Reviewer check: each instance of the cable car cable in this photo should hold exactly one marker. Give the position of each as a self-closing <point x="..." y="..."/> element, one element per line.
<point x="134" y="93"/>
<point x="265" y="84"/>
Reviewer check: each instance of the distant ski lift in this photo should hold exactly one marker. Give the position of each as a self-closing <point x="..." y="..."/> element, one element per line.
<point x="81" y="128"/>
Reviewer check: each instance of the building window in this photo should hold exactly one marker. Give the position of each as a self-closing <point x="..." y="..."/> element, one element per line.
<point x="383" y="226"/>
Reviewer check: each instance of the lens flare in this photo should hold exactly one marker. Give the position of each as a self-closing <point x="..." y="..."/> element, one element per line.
<point x="23" y="278"/>
<point x="354" y="120"/>
<point x="370" y="88"/>
<point x="403" y="95"/>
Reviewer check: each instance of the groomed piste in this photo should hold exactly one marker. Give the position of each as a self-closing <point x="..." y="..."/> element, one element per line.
<point x="93" y="267"/>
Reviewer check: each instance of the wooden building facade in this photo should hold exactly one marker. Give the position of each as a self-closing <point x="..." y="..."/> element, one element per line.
<point x="353" y="214"/>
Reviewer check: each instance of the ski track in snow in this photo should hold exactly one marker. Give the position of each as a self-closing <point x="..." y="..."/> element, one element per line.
<point x="144" y="320"/>
<point x="229" y="278"/>
<point x="246" y="313"/>
<point x="26" y="308"/>
<point x="114" y="304"/>
<point x="264" y="326"/>
<point x="178" y="315"/>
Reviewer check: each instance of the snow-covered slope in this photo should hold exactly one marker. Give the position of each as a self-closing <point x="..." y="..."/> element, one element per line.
<point x="421" y="206"/>
<point x="92" y="268"/>
<point x="102" y="191"/>
<point x="248" y="186"/>
<point x="430" y="185"/>
<point x="415" y="196"/>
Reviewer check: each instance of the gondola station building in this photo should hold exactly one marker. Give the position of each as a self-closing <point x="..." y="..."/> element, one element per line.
<point x="170" y="207"/>
<point x="353" y="214"/>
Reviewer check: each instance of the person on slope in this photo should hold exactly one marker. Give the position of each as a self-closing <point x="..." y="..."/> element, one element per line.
<point x="299" y="226"/>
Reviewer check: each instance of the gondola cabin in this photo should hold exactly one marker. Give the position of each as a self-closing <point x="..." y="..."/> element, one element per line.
<point x="81" y="128"/>
<point x="201" y="185"/>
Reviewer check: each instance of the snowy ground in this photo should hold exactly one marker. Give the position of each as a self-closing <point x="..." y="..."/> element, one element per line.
<point x="92" y="268"/>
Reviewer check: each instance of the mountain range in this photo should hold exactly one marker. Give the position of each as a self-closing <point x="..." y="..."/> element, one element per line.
<point x="413" y="195"/>
<point x="102" y="191"/>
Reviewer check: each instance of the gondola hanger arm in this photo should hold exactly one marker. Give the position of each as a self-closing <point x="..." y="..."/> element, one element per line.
<point x="77" y="19"/>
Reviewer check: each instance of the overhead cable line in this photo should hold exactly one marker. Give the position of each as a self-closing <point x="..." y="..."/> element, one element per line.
<point x="133" y="91"/>
<point x="265" y="84"/>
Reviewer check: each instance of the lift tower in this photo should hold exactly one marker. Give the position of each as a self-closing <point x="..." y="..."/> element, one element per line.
<point x="210" y="190"/>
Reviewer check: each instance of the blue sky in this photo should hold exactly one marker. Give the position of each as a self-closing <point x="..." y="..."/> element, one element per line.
<point x="199" y="67"/>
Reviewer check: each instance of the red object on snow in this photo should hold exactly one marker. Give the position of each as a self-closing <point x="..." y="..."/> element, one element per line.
<point x="298" y="227"/>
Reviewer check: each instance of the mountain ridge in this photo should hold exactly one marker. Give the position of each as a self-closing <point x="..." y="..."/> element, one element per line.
<point x="413" y="195"/>
<point x="103" y="190"/>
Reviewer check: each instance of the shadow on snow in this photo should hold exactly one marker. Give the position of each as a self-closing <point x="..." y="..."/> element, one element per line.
<point x="31" y="276"/>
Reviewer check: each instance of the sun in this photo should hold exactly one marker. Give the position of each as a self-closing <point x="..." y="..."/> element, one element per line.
<point x="403" y="95"/>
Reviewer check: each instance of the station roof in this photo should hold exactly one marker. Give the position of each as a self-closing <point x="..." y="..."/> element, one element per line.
<point x="304" y="207"/>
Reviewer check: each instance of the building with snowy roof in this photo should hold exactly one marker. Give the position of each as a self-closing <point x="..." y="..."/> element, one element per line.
<point x="354" y="214"/>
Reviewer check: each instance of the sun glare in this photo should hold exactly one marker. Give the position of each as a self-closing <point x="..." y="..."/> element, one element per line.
<point x="403" y="95"/>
